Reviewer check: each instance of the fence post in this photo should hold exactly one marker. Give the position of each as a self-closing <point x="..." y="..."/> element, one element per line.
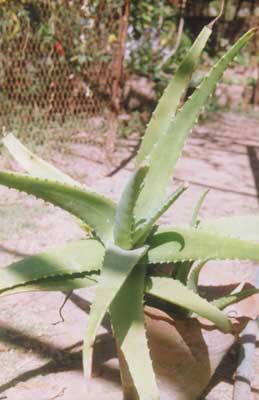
<point x="117" y="80"/>
<point x="256" y="90"/>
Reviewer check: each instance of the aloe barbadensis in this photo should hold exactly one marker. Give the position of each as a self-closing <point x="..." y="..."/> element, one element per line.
<point x="125" y="239"/>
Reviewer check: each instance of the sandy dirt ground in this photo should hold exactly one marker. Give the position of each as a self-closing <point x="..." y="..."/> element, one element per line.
<point x="42" y="360"/>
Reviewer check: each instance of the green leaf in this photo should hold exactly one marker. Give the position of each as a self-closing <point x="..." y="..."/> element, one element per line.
<point x="33" y="164"/>
<point x="244" y="227"/>
<point x="37" y="167"/>
<point x="72" y="259"/>
<point x="182" y="270"/>
<point x="172" y="244"/>
<point x="94" y="209"/>
<point x="144" y="228"/>
<point x="224" y="301"/>
<point x="193" y="278"/>
<point x="117" y="265"/>
<point x="165" y="154"/>
<point x="168" y="103"/>
<point x="175" y="292"/>
<point x="124" y="220"/>
<point x="195" y="221"/>
<point x="130" y="333"/>
<point x="56" y="283"/>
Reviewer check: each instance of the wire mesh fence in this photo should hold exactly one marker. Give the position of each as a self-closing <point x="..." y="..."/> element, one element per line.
<point x="61" y="62"/>
<point x="56" y="61"/>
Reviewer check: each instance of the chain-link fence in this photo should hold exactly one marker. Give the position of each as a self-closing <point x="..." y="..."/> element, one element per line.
<point x="61" y="61"/>
<point x="56" y="62"/>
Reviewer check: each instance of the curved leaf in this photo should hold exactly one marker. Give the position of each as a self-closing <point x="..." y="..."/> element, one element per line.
<point x="56" y="283"/>
<point x="33" y="164"/>
<point x="193" y="277"/>
<point x="94" y="209"/>
<point x="72" y="259"/>
<point x="171" y="97"/>
<point x="39" y="168"/>
<point x="195" y="221"/>
<point x="175" y="292"/>
<point x="182" y="270"/>
<point x="144" y="228"/>
<point x="165" y="154"/>
<point x="224" y="301"/>
<point x="124" y="220"/>
<point x="172" y="244"/>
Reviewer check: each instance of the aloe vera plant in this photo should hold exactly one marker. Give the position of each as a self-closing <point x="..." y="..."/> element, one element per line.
<point x="124" y="244"/>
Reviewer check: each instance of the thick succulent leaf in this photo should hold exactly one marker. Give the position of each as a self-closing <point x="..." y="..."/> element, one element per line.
<point x="57" y="283"/>
<point x="117" y="265"/>
<point x="193" y="278"/>
<point x="94" y="209"/>
<point x="127" y="318"/>
<point x="39" y="168"/>
<point x="195" y="217"/>
<point x="170" y="99"/>
<point x="124" y="220"/>
<point x="165" y="154"/>
<point x="33" y="164"/>
<point x="144" y="228"/>
<point x="182" y="271"/>
<point x="176" y="293"/>
<point x="172" y="244"/>
<point x="72" y="259"/>
<point x="224" y="301"/>
<point x="183" y="268"/>
<point x="244" y="227"/>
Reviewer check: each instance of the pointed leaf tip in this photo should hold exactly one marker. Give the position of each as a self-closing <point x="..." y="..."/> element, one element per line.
<point x="92" y="208"/>
<point x="176" y="293"/>
<point x="72" y="259"/>
<point x="212" y="23"/>
<point x="33" y="164"/>
<point x="167" y="105"/>
<point x="124" y="220"/>
<point x="143" y="229"/>
<point x="164" y="156"/>
<point x="172" y="244"/>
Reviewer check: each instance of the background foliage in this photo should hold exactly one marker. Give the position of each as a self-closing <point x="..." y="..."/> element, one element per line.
<point x="57" y="58"/>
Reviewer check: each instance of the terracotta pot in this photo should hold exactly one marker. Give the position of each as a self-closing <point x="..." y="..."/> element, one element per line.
<point x="185" y="354"/>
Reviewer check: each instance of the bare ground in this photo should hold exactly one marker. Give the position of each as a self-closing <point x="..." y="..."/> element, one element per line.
<point x="42" y="360"/>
